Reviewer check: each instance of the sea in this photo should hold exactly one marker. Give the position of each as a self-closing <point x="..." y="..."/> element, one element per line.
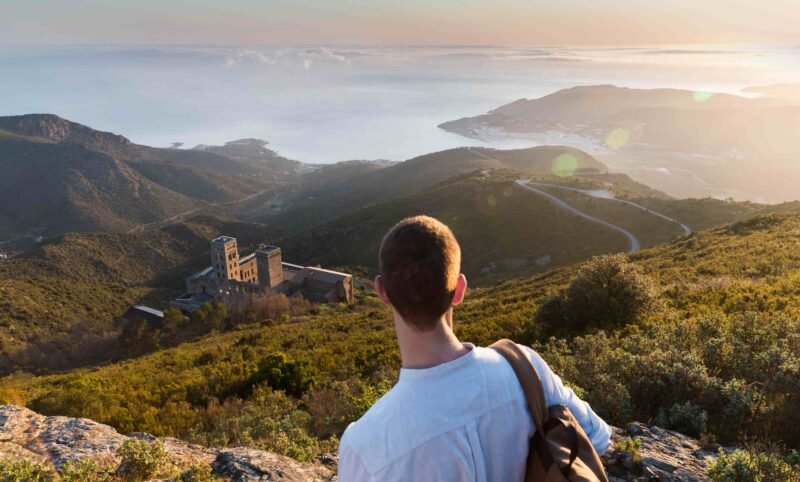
<point x="323" y="103"/>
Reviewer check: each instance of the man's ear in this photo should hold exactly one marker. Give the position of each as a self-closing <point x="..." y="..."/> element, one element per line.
<point x="381" y="290"/>
<point x="461" y="290"/>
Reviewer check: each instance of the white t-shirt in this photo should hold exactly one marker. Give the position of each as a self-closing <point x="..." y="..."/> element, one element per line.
<point x="464" y="420"/>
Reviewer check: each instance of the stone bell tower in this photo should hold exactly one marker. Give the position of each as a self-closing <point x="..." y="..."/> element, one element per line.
<point x="225" y="258"/>
<point x="268" y="264"/>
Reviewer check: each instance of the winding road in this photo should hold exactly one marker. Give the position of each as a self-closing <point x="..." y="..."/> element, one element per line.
<point x="634" y="241"/>
<point x="635" y="245"/>
<point x="686" y="229"/>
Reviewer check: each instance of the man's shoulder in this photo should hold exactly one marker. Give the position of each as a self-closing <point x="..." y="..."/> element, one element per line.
<point x="372" y="424"/>
<point x="392" y="412"/>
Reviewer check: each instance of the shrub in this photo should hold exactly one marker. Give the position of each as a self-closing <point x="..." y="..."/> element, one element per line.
<point x="630" y="447"/>
<point x="247" y="307"/>
<point x="748" y="466"/>
<point x="141" y="460"/>
<point x="687" y="418"/>
<point x="210" y="315"/>
<point x="25" y="471"/>
<point x="281" y="373"/>
<point x="83" y="470"/>
<point x="139" y="336"/>
<point x="608" y="292"/>
<point x="268" y="420"/>
<point x="198" y="473"/>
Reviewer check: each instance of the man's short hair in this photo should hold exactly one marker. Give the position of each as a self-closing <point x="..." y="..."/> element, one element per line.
<point x="420" y="262"/>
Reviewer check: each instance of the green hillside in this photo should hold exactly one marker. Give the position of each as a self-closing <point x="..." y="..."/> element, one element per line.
<point x="48" y="188"/>
<point x="63" y="297"/>
<point x="717" y="353"/>
<point x="506" y="231"/>
<point x="318" y="201"/>
<point x="503" y="229"/>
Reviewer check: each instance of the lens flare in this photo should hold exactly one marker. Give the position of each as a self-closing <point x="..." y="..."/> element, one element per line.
<point x="564" y="165"/>
<point x="700" y="96"/>
<point x="618" y="138"/>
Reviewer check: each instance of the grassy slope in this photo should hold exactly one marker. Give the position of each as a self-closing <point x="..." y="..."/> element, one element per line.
<point x="751" y="266"/>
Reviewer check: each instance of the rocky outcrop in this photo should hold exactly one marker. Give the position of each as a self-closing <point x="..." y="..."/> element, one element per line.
<point x="56" y="439"/>
<point x="246" y="465"/>
<point x="27" y="435"/>
<point x="662" y="455"/>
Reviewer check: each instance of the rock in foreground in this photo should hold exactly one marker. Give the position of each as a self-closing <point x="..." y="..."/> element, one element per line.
<point x="663" y="455"/>
<point x="27" y="435"/>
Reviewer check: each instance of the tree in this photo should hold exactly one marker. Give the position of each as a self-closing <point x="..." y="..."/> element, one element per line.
<point x="174" y="320"/>
<point x="608" y="292"/>
<point x="211" y="315"/>
<point x="139" y="336"/>
<point x="281" y="373"/>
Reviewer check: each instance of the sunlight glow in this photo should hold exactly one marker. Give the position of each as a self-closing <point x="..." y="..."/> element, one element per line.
<point x="618" y="138"/>
<point x="700" y="96"/>
<point x="564" y="165"/>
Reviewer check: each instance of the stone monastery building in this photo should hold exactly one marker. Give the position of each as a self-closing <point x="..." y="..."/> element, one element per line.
<point x="260" y="272"/>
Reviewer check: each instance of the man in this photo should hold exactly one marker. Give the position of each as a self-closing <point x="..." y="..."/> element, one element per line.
<point x="457" y="412"/>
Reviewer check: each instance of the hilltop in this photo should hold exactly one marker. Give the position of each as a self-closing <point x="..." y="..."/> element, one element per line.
<point x="60" y="176"/>
<point x="343" y="188"/>
<point x="503" y="230"/>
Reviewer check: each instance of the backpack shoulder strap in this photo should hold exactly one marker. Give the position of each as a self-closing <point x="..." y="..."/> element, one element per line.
<point x="528" y="379"/>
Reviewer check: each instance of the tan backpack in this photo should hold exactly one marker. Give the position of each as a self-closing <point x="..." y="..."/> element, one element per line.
<point x="559" y="451"/>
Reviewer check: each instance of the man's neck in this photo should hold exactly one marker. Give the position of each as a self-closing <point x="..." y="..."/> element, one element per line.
<point x="426" y="349"/>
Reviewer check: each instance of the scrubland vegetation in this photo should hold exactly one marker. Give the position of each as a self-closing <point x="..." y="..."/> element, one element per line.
<point x="140" y="460"/>
<point x="60" y="303"/>
<point x="701" y="335"/>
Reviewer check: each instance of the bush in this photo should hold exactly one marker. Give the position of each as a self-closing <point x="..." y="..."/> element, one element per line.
<point x="26" y="471"/>
<point x="210" y="316"/>
<point x="281" y="373"/>
<point x="268" y="420"/>
<point x="630" y="448"/>
<point x="139" y="336"/>
<point x="83" y="470"/>
<point x="198" y="473"/>
<point x="608" y="292"/>
<point x="687" y="418"/>
<point x="248" y="307"/>
<point x="748" y="466"/>
<point x="141" y="460"/>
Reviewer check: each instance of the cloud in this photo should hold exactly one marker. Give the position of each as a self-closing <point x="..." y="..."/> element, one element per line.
<point x="305" y="56"/>
<point x="241" y="56"/>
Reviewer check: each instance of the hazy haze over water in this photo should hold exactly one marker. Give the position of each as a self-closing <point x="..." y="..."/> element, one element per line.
<point x="326" y="104"/>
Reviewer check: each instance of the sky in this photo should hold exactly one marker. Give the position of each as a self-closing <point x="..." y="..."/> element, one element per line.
<point x="399" y="22"/>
